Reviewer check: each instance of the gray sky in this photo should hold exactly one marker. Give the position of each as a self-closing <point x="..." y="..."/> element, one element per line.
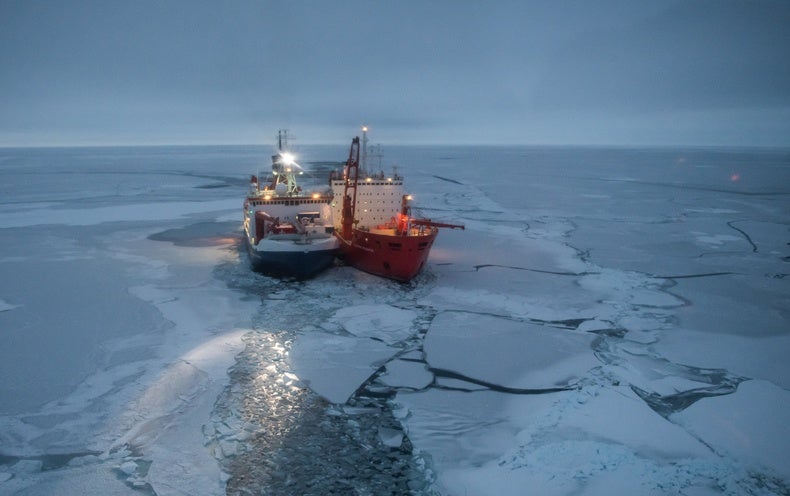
<point x="622" y="72"/>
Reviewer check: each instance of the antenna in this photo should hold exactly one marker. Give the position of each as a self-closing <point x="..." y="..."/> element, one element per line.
<point x="375" y="151"/>
<point x="282" y="140"/>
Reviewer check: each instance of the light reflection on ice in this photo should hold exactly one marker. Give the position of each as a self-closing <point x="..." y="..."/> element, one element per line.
<point x="339" y="371"/>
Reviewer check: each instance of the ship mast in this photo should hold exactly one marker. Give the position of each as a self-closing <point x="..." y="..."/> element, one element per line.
<point x="283" y="165"/>
<point x="364" y="164"/>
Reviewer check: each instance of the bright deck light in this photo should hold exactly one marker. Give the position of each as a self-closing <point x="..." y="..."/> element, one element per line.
<point x="288" y="158"/>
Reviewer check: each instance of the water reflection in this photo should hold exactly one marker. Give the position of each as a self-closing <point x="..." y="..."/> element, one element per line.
<point x="275" y="436"/>
<point x="284" y="439"/>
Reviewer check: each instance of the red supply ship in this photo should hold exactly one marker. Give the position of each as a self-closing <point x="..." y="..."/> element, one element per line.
<point x="373" y="221"/>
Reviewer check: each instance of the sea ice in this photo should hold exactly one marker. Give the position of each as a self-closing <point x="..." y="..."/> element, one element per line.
<point x="390" y="437"/>
<point x="731" y="352"/>
<point x="5" y="306"/>
<point x="114" y="213"/>
<point x="383" y="322"/>
<point x="406" y="374"/>
<point x="584" y="276"/>
<point x="750" y="425"/>
<point x="506" y="352"/>
<point x="562" y="443"/>
<point x="336" y="366"/>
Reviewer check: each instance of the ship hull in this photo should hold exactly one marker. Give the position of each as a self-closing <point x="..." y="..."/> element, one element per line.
<point x="395" y="257"/>
<point x="291" y="260"/>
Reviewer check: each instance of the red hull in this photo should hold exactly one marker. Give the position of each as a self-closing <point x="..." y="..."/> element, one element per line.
<point x="388" y="255"/>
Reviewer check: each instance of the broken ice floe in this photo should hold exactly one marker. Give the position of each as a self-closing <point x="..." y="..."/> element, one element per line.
<point x="508" y="353"/>
<point x="336" y="366"/>
<point x="750" y="426"/>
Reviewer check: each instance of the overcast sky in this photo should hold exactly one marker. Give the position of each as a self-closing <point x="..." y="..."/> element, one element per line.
<point x="630" y="72"/>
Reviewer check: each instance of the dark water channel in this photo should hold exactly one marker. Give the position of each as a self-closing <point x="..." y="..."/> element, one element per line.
<point x="277" y="437"/>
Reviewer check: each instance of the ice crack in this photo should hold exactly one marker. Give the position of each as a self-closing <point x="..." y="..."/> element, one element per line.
<point x="448" y="180"/>
<point x="485" y="266"/>
<point x="666" y="405"/>
<point x="692" y="276"/>
<point x="449" y="374"/>
<point x="745" y="235"/>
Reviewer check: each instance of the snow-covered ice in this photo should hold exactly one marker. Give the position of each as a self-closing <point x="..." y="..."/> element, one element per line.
<point x="611" y="321"/>
<point x="744" y="426"/>
<point x="114" y="346"/>
<point x="536" y="357"/>
<point x="345" y="363"/>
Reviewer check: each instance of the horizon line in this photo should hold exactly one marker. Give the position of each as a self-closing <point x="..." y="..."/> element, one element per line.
<point x="480" y="144"/>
